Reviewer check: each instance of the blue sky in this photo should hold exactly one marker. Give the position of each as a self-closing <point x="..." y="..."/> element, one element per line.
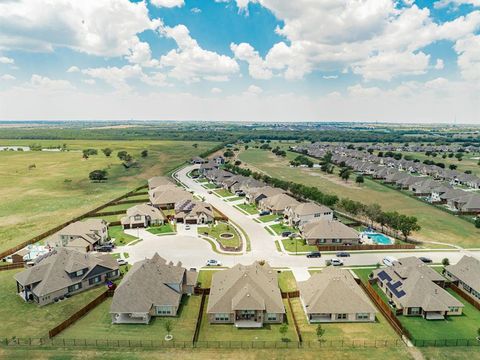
<point x="272" y="60"/>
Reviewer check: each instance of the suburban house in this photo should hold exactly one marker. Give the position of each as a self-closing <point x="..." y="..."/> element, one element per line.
<point x="142" y="216"/>
<point x="198" y="160"/>
<point x="194" y="212"/>
<point x="246" y="296"/>
<point x="254" y="195"/>
<point x="81" y="235"/>
<point x="466" y="275"/>
<point x="219" y="160"/>
<point x="62" y="273"/>
<point x="467" y="203"/>
<point x="207" y="166"/>
<point x="151" y="288"/>
<point x="333" y="295"/>
<point x="165" y="197"/>
<point x="331" y="232"/>
<point x="416" y="289"/>
<point x="277" y="204"/>
<point x="300" y="214"/>
<point x="157" y="181"/>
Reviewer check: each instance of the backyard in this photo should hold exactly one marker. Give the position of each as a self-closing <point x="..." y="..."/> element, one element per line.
<point x="220" y="231"/>
<point x="286" y="281"/>
<point x="436" y="224"/>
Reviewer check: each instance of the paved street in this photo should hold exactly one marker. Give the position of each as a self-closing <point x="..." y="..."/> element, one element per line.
<point x="193" y="251"/>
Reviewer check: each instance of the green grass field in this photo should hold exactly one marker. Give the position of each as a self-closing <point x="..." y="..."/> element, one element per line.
<point x="58" y="188"/>
<point x="221" y="228"/>
<point x="98" y="324"/>
<point x="436" y="224"/>
<point x="22" y="319"/>
<point x="120" y="237"/>
<point x="298" y="245"/>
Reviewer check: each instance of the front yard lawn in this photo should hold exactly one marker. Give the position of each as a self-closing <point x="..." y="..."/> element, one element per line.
<point x="205" y="278"/>
<point x="22" y="319"/>
<point x="228" y="332"/>
<point x="454" y="327"/>
<point x="268" y="218"/>
<point x="299" y="245"/>
<point x="97" y="324"/>
<point x="116" y="232"/>
<point x="163" y="229"/>
<point x="221" y="228"/>
<point x="347" y="332"/>
<point x="286" y="281"/>
<point x="209" y="186"/>
<point x="249" y="208"/>
<point x="280" y="228"/>
<point x="235" y="198"/>
<point x="223" y="193"/>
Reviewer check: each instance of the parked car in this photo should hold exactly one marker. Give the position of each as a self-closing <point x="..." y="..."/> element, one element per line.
<point x="392" y="303"/>
<point x="122" y="262"/>
<point x="286" y="233"/>
<point x="187" y="227"/>
<point x="336" y="262"/>
<point x="425" y="259"/>
<point x="104" y="248"/>
<point x="264" y="212"/>
<point x="293" y="235"/>
<point x="213" y="262"/>
<point x="389" y="260"/>
<point x="314" y="254"/>
<point x="343" y="254"/>
<point x="209" y="192"/>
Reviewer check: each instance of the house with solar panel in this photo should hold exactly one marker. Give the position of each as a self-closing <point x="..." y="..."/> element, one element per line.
<point x="416" y="290"/>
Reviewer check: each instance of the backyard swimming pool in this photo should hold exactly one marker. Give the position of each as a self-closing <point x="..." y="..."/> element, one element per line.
<point x="378" y="238"/>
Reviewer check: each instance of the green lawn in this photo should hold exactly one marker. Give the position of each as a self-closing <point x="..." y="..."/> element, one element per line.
<point x="118" y="207"/>
<point x="297" y="245"/>
<point x="223" y="193"/>
<point x="58" y="189"/>
<point x="220" y="228"/>
<point x="228" y="332"/>
<point x="205" y="278"/>
<point x="268" y="218"/>
<point x="249" y="208"/>
<point x="454" y="327"/>
<point x="98" y="324"/>
<point x="120" y="237"/>
<point x="348" y="332"/>
<point x="436" y="224"/>
<point x="22" y="319"/>
<point x="235" y="198"/>
<point x="209" y="186"/>
<point x="163" y="229"/>
<point x="287" y="281"/>
<point x="280" y="228"/>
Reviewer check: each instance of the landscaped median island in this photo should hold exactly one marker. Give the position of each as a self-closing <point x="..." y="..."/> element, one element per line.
<point x="224" y="233"/>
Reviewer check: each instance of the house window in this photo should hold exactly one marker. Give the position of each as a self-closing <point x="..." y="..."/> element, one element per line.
<point x="414" y="311"/>
<point x="164" y="310"/>
<point x="271" y="317"/>
<point x="317" y="215"/>
<point x="112" y="274"/>
<point x="222" y="317"/>
<point x="74" y="287"/>
<point x="80" y="272"/>
<point x="321" y="241"/>
<point x="453" y="308"/>
<point x="95" y="280"/>
<point x="341" y="316"/>
<point x="363" y="316"/>
<point x="336" y="241"/>
<point x="137" y="217"/>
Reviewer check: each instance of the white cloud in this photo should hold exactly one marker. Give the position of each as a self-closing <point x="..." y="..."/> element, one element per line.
<point x="7" y="77"/>
<point x="330" y="77"/>
<point x="439" y="65"/>
<point x="216" y="90"/>
<point x="444" y="3"/>
<point x="6" y="60"/>
<point x="253" y="90"/>
<point x="468" y="50"/>
<point x="45" y="83"/>
<point x="89" y="81"/>
<point x="115" y="76"/>
<point x="141" y="54"/>
<point x="103" y="28"/>
<point x="256" y="66"/>
<point x="167" y="3"/>
<point x="190" y="63"/>
<point x="196" y="10"/>
<point x="73" y="69"/>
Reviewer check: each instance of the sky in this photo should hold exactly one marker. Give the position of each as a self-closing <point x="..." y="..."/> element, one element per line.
<point x="399" y="61"/>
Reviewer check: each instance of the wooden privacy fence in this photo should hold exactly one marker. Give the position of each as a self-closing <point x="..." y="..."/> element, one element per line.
<point x="198" y="324"/>
<point x="12" y="266"/>
<point x="60" y="227"/>
<point x="464" y="296"/>
<point x="83" y="311"/>
<point x="295" y="323"/>
<point x="290" y="294"/>
<point x="364" y="247"/>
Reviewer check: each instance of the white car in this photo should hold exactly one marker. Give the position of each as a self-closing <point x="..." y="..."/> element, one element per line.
<point x="187" y="227"/>
<point x="213" y="262"/>
<point x="336" y="262"/>
<point x="389" y="260"/>
<point x="122" y="262"/>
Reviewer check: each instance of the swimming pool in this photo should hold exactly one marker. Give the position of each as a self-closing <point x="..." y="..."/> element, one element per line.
<point x="378" y="238"/>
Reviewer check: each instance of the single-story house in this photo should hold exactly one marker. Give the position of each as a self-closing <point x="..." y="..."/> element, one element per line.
<point x="194" y="212"/>
<point x="277" y="204"/>
<point x="246" y="296"/>
<point x="300" y="214"/>
<point x="333" y="295"/>
<point x="157" y="181"/>
<point x="165" y="197"/>
<point x="466" y="275"/>
<point x="254" y="195"/>
<point x="331" y="232"/>
<point x="64" y="272"/>
<point x="151" y="288"/>
<point x="416" y="290"/>
<point x="142" y="216"/>
<point x="81" y="235"/>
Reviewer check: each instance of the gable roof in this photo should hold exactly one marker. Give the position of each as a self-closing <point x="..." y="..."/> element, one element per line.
<point x="157" y="181"/>
<point x="169" y="194"/>
<point x="254" y="286"/>
<point x="322" y="292"/>
<point x="145" y="210"/>
<point x="279" y="202"/>
<point x="84" y="229"/>
<point x="467" y="270"/>
<point x="309" y="208"/>
<point x="328" y="229"/>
